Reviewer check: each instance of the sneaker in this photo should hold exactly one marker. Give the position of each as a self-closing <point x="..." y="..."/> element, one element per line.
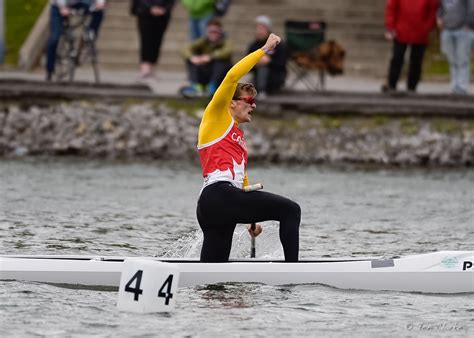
<point x="192" y="91"/>
<point x="458" y="91"/>
<point x="145" y="78"/>
<point x="211" y="88"/>
<point x="385" y="88"/>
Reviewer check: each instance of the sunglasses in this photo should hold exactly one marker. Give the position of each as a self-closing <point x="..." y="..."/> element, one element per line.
<point x="248" y="99"/>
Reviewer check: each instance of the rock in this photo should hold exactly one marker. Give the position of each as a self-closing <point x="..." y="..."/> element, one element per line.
<point x="21" y="151"/>
<point x="158" y="131"/>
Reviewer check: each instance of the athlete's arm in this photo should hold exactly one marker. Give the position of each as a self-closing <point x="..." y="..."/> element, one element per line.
<point x="217" y="118"/>
<point x="218" y="107"/>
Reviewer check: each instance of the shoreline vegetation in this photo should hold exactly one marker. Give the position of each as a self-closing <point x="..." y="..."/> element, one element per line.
<point x="157" y="131"/>
<point x="20" y="17"/>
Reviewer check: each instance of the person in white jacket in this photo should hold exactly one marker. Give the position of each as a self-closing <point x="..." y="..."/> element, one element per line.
<point x="61" y="9"/>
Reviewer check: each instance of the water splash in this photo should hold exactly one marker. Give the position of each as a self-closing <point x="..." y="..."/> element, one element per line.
<point x="268" y="244"/>
<point x="187" y="246"/>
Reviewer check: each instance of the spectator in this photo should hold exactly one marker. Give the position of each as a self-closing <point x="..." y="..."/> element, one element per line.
<point x="269" y="73"/>
<point x="408" y="23"/>
<point x="200" y="12"/>
<point x="470" y="19"/>
<point x="208" y="59"/>
<point x="457" y="31"/>
<point x="153" y="17"/>
<point x="221" y="7"/>
<point x="60" y="10"/>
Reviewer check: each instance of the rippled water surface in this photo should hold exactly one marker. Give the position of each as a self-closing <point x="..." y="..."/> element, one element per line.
<point x="92" y="207"/>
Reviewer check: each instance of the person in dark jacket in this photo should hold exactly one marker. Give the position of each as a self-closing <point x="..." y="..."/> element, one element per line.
<point x="269" y="74"/>
<point x="408" y="23"/>
<point x="153" y="17"/>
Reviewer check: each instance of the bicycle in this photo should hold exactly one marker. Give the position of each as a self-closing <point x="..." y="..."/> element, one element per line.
<point x="76" y="46"/>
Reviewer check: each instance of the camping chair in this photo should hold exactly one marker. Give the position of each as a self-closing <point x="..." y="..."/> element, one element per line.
<point x="303" y="38"/>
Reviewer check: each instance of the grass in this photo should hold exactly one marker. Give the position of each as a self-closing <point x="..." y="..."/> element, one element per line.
<point x="331" y="122"/>
<point x="187" y="105"/>
<point x="379" y="120"/>
<point x="20" y="17"/>
<point x="470" y="126"/>
<point x="447" y="126"/>
<point x="409" y="126"/>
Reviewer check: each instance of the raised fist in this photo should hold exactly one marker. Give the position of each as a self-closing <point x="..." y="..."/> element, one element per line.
<point x="272" y="41"/>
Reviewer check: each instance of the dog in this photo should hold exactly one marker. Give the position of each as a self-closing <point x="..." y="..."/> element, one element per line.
<point x="328" y="56"/>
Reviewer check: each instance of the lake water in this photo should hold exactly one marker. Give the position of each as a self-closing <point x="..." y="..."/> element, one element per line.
<point x="83" y="206"/>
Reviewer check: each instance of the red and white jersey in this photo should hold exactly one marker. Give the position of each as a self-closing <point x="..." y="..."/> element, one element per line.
<point x="225" y="158"/>
<point x="221" y="143"/>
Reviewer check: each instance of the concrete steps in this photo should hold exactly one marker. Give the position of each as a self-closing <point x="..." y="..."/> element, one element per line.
<point x="359" y="28"/>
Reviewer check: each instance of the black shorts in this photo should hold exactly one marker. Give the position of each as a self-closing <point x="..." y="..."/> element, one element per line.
<point x="221" y="206"/>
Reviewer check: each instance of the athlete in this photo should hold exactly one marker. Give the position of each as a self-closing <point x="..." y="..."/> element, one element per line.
<point x="223" y="202"/>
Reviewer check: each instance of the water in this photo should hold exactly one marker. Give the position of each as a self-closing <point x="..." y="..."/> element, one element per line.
<point x="93" y="207"/>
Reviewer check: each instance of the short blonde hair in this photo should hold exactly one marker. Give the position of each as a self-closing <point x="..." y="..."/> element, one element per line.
<point x="244" y="87"/>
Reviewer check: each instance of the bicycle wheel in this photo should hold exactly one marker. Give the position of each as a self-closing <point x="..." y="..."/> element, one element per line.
<point x="63" y="57"/>
<point x="89" y="53"/>
<point x="94" y="63"/>
<point x="75" y="58"/>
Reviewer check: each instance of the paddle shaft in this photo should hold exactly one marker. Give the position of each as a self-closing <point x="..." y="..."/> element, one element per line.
<point x="252" y="242"/>
<point x="253" y="226"/>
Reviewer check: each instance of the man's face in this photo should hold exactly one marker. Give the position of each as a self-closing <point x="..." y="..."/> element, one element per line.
<point x="213" y="33"/>
<point x="243" y="107"/>
<point x="261" y="31"/>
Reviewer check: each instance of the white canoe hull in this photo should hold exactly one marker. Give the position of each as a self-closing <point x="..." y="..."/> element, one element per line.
<point x="438" y="272"/>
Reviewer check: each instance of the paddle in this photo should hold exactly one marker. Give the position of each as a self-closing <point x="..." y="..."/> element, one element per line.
<point x="252" y="242"/>
<point x="253" y="226"/>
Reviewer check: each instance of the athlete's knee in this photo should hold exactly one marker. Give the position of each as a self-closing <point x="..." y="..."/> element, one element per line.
<point x="294" y="210"/>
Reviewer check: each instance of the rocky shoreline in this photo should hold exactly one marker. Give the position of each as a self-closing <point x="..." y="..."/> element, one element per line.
<point x="156" y="130"/>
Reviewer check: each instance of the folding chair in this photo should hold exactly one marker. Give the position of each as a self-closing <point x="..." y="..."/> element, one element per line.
<point x="303" y="38"/>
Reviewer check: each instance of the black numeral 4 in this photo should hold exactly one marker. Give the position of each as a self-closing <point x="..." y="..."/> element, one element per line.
<point x="137" y="279"/>
<point x="136" y="290"/>
<point x="167" y="295"/>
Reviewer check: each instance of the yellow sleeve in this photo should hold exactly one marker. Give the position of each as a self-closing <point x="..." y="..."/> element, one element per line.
<point x="217" y="119"/>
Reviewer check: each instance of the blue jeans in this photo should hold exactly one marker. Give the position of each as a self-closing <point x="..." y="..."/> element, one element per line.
<point x="55" y="29"/>
<point x="457" y="46"/>
<point x="197" y="27"/>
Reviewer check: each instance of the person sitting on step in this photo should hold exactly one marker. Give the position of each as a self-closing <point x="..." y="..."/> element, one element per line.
<point x="208" y="59"/>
